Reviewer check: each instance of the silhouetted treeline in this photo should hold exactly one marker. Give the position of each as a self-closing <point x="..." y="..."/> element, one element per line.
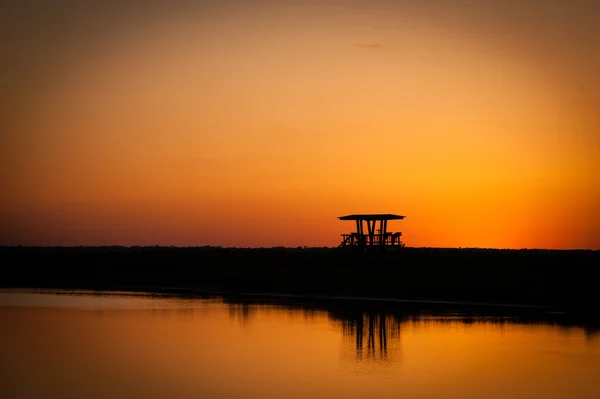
<point x="537" y="277"/>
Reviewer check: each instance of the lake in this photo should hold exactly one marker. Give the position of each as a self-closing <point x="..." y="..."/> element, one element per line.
<point x="56" y="344"/>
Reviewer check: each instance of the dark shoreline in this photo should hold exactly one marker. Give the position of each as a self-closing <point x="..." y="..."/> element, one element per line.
<point x="545" y="279"/>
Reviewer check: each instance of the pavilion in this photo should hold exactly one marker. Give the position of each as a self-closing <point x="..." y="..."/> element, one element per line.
<point x="380" y="237"/>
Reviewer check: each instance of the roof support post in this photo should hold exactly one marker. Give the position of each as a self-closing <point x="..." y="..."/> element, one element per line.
<point x="381" y="232"/>
<point x="371" y="227"/>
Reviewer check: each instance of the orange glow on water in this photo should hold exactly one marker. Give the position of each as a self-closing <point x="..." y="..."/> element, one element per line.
<point x="258" y="126"/>
<point x="82" y="346"/>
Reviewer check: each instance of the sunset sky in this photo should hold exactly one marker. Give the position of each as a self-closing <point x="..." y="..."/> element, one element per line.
<point x="258" y="123"/>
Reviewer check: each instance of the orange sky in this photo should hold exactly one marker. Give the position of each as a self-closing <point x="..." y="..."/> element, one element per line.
<point x="259" y="123"/>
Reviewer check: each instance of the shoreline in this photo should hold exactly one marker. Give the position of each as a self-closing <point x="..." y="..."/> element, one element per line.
<point x="355" y="308"/>
<point x="267" y="296"/>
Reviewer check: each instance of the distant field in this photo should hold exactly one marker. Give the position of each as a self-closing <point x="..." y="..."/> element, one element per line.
<point x="538" y="277"/>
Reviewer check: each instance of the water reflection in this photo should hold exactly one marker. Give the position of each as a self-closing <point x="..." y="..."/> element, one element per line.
<point x="374" y="332"/>
<point x="591" y="332"/>
<point x="242" y="312"/>
<point x="370" y="334"/>
<point x="189" y="347"/>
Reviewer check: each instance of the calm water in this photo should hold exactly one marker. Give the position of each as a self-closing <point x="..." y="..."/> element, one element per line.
<point x="57" y="345"/>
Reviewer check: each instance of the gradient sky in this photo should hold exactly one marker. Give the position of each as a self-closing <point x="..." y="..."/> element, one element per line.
<point x="258" y="123"/>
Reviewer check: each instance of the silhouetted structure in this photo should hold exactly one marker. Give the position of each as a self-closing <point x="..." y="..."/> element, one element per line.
<point x="380" y="237"/>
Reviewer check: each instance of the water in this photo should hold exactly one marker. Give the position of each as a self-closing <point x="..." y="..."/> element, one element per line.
<point x="57" y="345"/>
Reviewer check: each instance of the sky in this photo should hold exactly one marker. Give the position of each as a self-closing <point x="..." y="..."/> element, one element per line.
<point x="259" y="123"/>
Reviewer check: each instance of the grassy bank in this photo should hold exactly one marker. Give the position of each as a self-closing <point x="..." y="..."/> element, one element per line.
<point x="536" y="277"/>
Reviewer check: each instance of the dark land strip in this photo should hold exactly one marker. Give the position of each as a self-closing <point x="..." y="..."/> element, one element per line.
<point x="555" y="280"/>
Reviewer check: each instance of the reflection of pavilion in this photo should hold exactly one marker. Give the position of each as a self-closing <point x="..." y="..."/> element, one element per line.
<point x="374" y="336"/>
<point x="242" y="312"/>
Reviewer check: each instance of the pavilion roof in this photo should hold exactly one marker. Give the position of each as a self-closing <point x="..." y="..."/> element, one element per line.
<point x="372" y="216"/>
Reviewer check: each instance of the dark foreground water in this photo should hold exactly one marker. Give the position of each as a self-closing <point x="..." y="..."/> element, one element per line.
<point x="59" y="345"/>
